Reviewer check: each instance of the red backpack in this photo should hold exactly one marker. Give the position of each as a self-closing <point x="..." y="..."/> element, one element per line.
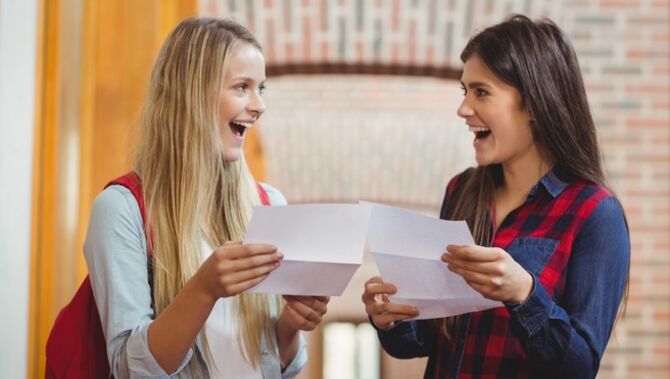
<point x="76" y="347"/>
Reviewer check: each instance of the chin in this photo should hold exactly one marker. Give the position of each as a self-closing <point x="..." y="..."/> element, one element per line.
<point x="231" y="156"/>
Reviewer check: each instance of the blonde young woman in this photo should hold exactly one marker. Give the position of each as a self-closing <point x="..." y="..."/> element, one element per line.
<point x="193" y="318"/>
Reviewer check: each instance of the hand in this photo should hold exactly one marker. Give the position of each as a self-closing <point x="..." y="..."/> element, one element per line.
<point x="303" y="312"/>
<point x="234" y="268"/>
<point x="491" y="271"/>
<point x="377" y="305"/>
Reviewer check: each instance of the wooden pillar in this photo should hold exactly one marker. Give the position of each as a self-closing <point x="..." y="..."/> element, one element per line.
<point x="94" y="60"/>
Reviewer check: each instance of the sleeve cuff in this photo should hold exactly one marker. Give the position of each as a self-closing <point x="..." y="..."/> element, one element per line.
<point x="298" y="361"/>
<point x="533" y="313"/>
<point x="393" y="325"/>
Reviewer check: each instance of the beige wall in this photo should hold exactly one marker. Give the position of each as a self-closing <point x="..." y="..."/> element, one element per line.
<point x="18" y="21"/>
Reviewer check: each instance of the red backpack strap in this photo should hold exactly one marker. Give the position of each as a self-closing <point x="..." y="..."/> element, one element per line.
<point x="265" y="199"/>
<point x="133" y="182"/>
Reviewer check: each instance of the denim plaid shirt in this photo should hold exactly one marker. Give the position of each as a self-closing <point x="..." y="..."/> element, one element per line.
<point x="571" y="236"/>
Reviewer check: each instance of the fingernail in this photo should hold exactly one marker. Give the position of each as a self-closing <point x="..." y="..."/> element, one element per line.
<point x="280" y="255"/>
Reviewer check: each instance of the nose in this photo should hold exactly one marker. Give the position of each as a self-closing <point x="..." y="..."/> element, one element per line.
<point x="465" y="110"/>
<point x="256" y="107"/>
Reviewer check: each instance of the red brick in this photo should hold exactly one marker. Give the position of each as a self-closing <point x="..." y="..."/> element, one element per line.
<point x="619" y="4"/>
<point x="645" y="88"/>
<point x="307" y="35"/>
<point x="651" y="123"/>
<point x="324" y="51"/>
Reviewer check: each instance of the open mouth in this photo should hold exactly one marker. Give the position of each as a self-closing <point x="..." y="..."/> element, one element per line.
<point x="239" y="128"/>
<point x="480" y="132"/>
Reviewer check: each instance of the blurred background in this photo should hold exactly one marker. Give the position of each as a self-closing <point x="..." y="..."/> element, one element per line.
<point x="361" y="104"/>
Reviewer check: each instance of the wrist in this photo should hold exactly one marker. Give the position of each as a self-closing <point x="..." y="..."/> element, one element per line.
<point x="381" y="328"/>
<point x="284" y="329"/>
<point x="526" y="289"/>
<point x="200" y="290"/>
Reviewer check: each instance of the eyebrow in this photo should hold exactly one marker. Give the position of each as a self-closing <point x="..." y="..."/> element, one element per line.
<point x="246" y="79"/>
<point x="476" y="84"/>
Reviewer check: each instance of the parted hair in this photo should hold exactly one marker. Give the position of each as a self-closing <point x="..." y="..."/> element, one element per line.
<point x="192" y="193"/>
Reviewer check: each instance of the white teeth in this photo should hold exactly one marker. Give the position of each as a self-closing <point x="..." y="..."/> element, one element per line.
<point x="245" y="124"/>
<point x="478" y="129"/>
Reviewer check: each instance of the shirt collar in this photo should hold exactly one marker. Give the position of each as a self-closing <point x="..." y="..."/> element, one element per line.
<point x="554" y="182"/>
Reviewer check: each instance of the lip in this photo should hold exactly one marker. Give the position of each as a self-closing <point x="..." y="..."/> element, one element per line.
<point x="235" y="136"/>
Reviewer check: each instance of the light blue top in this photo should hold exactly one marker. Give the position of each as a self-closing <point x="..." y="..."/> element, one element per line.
<point x="116" y="255"/>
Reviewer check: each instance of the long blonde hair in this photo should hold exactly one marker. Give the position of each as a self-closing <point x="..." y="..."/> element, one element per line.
<point x="193" y="194"/>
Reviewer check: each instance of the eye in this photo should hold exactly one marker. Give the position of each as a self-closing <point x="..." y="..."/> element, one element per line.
<point x="480" y="92"/>
<point x="465" y="92"/>
<point x="261" y="89"/>
<point x="241" y="87"/>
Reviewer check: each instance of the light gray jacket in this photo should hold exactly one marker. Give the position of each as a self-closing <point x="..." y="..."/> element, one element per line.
<point x="116" y="255"/>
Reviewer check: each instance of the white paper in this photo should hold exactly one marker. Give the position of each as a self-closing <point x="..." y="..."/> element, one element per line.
<point x="323" y="245"/>
<point x="407" y="247"/>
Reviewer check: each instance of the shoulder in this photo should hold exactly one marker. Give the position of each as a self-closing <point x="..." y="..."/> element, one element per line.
<point x="596" y="207"/>
<point x="275" y="196"/>
<point x="459" y="179"/>
<point x="589" y="198"/>
<point x="116" y="200"/>
<point x="116" y="208"/>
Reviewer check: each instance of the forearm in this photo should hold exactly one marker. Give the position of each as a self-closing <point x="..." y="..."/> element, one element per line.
<point x="288" y="341"/>
<point x="173" y="332"/>
<point x="551" y="340"/>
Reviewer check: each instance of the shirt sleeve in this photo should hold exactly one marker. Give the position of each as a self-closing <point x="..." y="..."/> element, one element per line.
<point x="300" y="359"/>
<point x="569" y="338"/>
<point x="407" y="339"/>
<point x="275" y="196"/>
<point x="116" y="255"/>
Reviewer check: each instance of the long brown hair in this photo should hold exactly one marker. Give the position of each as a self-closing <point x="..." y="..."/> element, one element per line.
<point x="192" y="193"/>
<point x="539" y="61"/>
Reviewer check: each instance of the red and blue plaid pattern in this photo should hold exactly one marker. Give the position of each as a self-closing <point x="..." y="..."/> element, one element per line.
<point x="485" y="345"/>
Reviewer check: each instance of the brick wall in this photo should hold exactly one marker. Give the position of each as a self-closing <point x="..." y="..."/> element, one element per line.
<point x="333" y="138"/>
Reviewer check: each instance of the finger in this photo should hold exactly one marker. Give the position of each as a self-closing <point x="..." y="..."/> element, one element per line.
<point x="243" y="286"/>
<point x="472" y="277"/>
<point x="372" y="289"/>
<point x="323" y="299"/>
<point x="305" y="324"/>
<point x="251" y="262"/>
<point x="239" y="251"/>
<point x="249" y="274"/>
<point x="474" y="253"/>
<point x="307" y="312"/>
<point x="375" y="279"/>
<point x="389" y="318"/>
<point x="311" y="302"/>
<point x="393" y="308"/>
<point x="488" y="268"/>
<point x="308" y="300"/>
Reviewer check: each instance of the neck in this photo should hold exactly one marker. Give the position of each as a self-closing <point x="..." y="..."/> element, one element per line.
<point x="521" y="175"/>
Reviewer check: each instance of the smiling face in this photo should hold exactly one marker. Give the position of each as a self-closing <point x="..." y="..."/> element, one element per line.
<point x="240" y="103"/>
<point x="493" y="111"/>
